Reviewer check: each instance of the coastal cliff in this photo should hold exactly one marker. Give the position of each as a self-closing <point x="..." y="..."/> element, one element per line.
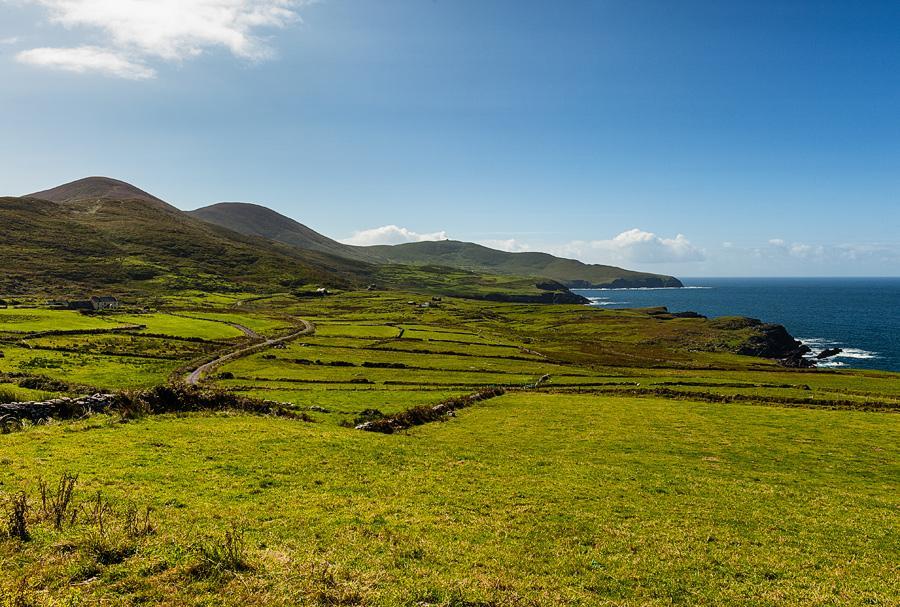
<point x="767" y="340"/>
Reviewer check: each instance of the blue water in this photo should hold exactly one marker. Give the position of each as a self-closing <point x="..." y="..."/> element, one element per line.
<point x="860" y="315"/>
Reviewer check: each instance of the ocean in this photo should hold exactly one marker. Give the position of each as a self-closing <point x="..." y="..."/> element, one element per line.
<point x="860" y="315"/>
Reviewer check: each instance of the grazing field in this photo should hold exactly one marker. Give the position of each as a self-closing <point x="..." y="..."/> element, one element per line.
<point x="527" y="499"/>
<point x="634" y="460"/>
<point x="36" y="320"/>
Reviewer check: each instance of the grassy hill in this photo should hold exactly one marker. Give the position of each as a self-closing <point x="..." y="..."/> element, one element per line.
<point x="257" y="220"/>
<point x="100" y="234"/>
<point x="89" y="239"/>
<point x="93" y="189"/>
<point x="569" y="272"/>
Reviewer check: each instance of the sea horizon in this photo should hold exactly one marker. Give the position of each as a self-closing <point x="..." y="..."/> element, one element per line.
<point x="860" y="315"/>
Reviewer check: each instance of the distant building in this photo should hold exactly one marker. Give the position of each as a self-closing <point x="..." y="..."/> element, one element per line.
<point x="80" y="304"/>
<point x="94" y="303"/>
<point x="104" y="303"/>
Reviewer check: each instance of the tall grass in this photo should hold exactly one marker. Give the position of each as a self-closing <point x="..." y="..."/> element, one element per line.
<point x="9" y="395"/>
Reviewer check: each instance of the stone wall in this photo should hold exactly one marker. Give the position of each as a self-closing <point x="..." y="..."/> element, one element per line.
<point x="13" y="414"/>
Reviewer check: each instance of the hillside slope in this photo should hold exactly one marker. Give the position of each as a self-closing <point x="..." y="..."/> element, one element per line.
<point x="86" y="240"/>
<point x="140" y="244"/>
<point x="570" y="272"/>
<point x="257" y="220"/>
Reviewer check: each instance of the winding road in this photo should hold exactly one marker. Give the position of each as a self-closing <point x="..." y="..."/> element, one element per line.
<point x="193" y="378"/>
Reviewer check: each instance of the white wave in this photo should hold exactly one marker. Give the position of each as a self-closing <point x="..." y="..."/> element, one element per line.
<point x="857" y="353"/>
<point x="830" y="364"/>
<point x="817" y="345"/>
<point x="608" y="303"/>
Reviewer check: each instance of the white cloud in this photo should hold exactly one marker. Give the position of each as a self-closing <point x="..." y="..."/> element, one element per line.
<point x="510" y="245"/>
<point x="9" y="41"/>
<point x="86" y="59"/>
<point x="391" y="235"/>
<point x="134" y="31"/>
<point x="633" y="246"/>
<point x="781" y="249"/>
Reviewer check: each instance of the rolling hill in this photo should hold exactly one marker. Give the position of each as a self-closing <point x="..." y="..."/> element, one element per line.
<point x="99" y="234"/>
<point x="96" y="189"/>
<point x="570" y="272"/>
<point x="256" y="220"/>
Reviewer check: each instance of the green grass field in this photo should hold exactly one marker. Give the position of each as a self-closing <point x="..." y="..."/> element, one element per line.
<point x="651" y="466"/>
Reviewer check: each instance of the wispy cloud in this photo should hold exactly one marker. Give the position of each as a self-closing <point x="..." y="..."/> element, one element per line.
<point x="86" y="59"/>
<point x="778" y="248"/>
<point x="134" y="32"/>
<point x="391" y="234"/>
<point x="633" y="246"/>
<point x="12" y="40"/>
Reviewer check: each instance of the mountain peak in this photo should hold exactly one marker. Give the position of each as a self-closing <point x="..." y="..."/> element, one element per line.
<point x="96" y="188"/>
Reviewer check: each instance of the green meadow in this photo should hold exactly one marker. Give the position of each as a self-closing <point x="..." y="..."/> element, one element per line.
<point x="635" y="459"/>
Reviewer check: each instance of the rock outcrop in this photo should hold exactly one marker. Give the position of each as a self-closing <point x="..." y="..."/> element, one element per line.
<point x="773" y="341"/>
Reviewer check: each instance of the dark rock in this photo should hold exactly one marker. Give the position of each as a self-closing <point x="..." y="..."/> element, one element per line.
<point x="687" y="314"/>
<point x="828" y="353"/>
<point x="771" y="341"/>
<point x="551" y="285"/>
<point x="796" y="361"/>
<point x="663" y="311"/>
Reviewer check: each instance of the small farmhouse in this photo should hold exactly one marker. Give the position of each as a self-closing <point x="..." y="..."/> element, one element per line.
<point x="80" y="304"/>
<point x="94" y="303"/>
<point x="104" y="303"/>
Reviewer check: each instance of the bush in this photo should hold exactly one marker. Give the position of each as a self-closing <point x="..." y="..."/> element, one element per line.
<point x="17" y="517"/>
<point x="184" y="399"/>
<point x="43" y="383"/>
<point x="58" y="506"/>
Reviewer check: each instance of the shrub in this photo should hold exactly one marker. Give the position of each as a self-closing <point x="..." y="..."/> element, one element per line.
<point x="137" y="522"/>
<point x="43" y="383"/>
<point x="182" y="398"/>
<point x="58" y="506"/>
<point x="17" y="517"/>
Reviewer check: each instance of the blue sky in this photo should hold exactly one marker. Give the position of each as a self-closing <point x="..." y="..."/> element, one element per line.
<point x="692" y="138"/>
